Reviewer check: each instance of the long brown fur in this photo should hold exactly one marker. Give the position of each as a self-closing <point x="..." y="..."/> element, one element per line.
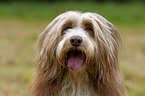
<point x="99" y="77"/>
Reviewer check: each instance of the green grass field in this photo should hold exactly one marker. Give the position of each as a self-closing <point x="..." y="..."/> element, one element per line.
<point x="21" y="23"/>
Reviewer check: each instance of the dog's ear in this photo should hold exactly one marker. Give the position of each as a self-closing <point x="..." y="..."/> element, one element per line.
<point x="106" y="35"/>
<point x="51" y="30"/>
<point x="110" y="39"/>
<point x="107" y="67"/>
<point x="49" y="73"/>
<point x="107" y="39"/>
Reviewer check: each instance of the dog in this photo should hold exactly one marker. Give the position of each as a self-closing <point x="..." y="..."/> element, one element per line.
<point x="77" y="55"/>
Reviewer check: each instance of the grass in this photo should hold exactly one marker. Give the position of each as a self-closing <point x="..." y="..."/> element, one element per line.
<point x="132" y="61"/>
<point x="116" y="13"/>
<point x="20" y="25"/>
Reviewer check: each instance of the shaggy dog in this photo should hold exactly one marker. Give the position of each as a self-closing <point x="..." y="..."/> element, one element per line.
<point x="78" y="56"/>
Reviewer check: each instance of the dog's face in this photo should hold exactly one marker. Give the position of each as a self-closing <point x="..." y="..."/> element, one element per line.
<point x="77" y="43"/>
<point x="76" y="40"/>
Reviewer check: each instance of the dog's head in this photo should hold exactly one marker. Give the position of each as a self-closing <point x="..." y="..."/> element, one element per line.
<point x="75" y="40"/>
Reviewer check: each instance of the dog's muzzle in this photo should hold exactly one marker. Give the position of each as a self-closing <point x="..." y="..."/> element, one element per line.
<point x="75" y="57"/>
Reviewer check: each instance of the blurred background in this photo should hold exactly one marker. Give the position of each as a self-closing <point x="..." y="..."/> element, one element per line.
<point x="22" y="21"/>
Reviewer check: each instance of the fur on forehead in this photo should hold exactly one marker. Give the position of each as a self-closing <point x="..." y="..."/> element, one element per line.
<point x="75" y="17"/>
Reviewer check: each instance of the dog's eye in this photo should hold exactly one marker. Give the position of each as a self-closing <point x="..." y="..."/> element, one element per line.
<point x="67" y="28"/>
<point x="64" y="29"/>
<point x="89" y="28"/>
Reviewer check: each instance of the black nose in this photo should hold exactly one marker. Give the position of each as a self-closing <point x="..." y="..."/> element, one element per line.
<point x="76" y="41"/>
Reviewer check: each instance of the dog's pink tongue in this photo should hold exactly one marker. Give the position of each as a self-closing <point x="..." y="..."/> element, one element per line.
<point x="75" y="62"/>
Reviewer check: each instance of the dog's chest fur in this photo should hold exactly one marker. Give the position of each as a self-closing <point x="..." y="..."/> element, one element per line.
<point x="75" y="85"/>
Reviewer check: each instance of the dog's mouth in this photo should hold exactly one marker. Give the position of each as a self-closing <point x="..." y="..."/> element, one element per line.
<point x="75" y="59"/>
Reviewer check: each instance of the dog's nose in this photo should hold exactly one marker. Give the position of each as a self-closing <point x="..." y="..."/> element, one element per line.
<point x="76" y="41"/>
